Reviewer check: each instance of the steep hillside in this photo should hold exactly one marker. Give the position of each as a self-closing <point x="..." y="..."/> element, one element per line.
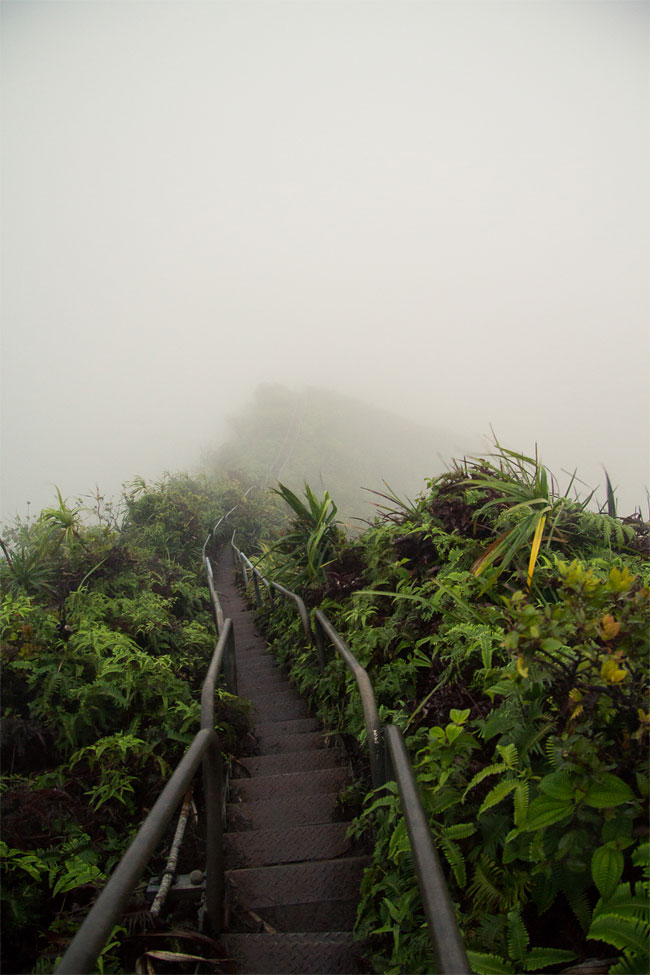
<point x="329" y="440"/>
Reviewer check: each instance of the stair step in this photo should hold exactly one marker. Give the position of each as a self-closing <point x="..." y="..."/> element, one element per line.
<point x="288" y="784"/>
<point x="276" y="696"/>
<point x="292" y="727"/>
<point x="278" y="813"/>
<point x="338" y="915"/>
<point x="258" y="671"/>
<point x="298" y="883"/>
<point x="283" y="707"/>
<point x="252" y="684"/>
<point x="276" y="764"/>
<point x="296" y="952"/>
<point x="261" y="847"/>
<point x="272" y="745"/>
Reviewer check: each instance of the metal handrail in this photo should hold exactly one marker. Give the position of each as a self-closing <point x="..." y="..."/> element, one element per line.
<point x="207" y="565"/>
<point x="95" y="929"/>
<point x="447" y="943"/>
<point x="446" y="940"/>
<point x="270" y="585"/>
<point x="370" y="713"/>
<point x="224" y="655"/>
<point x="93" y="933"/>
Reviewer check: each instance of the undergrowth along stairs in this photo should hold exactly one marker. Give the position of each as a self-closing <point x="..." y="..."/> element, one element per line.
<point x="293" y="877"/>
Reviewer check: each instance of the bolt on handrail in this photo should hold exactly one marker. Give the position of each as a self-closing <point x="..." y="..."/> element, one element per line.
<point x="446" y="940"/>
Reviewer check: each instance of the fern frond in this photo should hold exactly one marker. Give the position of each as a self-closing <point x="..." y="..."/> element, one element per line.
<point x="483" y="888"/>
<point x="517" y="935"/>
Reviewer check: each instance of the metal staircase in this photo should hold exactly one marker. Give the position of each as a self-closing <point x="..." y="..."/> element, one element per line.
<point x="281" y="881"/>
<point x="292" y="878"/>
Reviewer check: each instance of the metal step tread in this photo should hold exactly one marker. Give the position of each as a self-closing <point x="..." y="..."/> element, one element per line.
<point x="287" y="811"/>
<point x="298" y="883"/>
<point x="277" y="763"/>
<point x="291" y="726"/>
<point x="270" y="744"/>
<point x="293" y="844"/>
<point x="287" y="784"/>
<point x="294" y="952"/>
<point x="268" y="710"/>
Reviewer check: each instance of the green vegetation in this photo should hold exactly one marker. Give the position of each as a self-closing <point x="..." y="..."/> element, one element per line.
<point x="505" y="629"/>
<point x="106" y="631"/>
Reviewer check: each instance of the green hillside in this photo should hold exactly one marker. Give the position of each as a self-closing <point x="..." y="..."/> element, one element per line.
<point x="330" y="441"/>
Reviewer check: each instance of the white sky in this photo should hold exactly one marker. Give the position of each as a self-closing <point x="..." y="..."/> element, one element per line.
<point x="441" y="208"/>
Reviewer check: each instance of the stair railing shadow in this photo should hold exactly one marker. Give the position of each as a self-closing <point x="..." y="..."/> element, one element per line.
<point x="389" y="761"/>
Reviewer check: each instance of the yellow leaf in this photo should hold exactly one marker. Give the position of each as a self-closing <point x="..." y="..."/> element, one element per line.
<point x="611" y="672"/>
<point x="609" y="627"/>
<point x="537" y="541"/>
<point x="576" y="712"/>
<point x="522" y="669"/>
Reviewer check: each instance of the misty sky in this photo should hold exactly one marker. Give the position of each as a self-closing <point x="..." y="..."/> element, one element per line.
<point x="441" y="208"/>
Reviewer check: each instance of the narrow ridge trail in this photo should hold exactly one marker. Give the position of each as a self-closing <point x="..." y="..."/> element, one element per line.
<point x="293" y="879"/>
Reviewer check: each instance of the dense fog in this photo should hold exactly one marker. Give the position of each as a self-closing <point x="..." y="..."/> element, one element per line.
<point x="439" y="209"/>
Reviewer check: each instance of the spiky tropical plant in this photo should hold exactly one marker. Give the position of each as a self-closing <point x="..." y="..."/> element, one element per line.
<point x="524" y="488"/>
<point x="312" y="540"/>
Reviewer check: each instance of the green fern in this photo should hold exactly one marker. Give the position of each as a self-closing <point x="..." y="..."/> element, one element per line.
<point x="517" y="936"/>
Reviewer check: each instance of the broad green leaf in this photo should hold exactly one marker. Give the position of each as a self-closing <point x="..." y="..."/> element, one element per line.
<point x="459" y="717"/>
<point x="453" y="731"/>
<point x="499" y="792"/>
<point x="620" y="932"/>
<point x="459" y="830"/>
<point x="624" y="903"/>
<point x="558" y="785"/>
<point x="606" y="869"/>
<point x="607" y="791"/>
<point x="484" y="964"/>
<point x="544" y="811"/>
<point x="538" y="958"/>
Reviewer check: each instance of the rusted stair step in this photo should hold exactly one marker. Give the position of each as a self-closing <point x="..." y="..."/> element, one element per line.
<point x="304" y="952"/>
<point x="282" y="762"/>
<point x="263" y="847"/>
<point x="316" y="896"/>
<point x="276" y="813"/>
<point x="288" y="784"/>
